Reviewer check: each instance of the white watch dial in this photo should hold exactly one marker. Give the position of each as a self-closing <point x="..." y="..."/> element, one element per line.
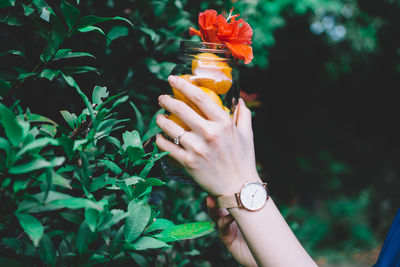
<point x="253" y="196"/>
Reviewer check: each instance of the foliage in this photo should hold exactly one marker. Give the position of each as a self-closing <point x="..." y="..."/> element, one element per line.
<point x="80" y="193"/>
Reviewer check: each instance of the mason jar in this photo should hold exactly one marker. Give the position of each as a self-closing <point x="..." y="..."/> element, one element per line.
<point x="212" y="68"/>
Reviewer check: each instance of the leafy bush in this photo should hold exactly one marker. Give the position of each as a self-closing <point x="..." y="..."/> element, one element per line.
<point x="76" y="194"/>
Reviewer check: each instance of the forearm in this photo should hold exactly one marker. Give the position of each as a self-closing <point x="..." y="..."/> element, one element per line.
<point x="269" y="238"/>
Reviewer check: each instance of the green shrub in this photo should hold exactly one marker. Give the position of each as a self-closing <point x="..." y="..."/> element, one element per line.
<point x="76" y="193"/>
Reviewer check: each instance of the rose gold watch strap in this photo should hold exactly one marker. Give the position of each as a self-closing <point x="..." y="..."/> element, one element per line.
<point x="227" y="202"/>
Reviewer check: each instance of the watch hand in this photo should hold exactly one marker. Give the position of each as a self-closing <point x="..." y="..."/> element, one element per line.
<point x="255" y="193"/>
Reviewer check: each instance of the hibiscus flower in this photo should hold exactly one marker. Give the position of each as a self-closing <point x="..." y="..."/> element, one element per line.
<point x="235" y="34"/>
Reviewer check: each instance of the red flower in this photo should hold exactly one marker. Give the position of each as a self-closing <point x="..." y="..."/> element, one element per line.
<point x="236" y="34"/>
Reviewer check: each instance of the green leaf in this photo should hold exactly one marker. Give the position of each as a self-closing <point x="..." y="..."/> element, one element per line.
<point x="68" y="53"/>
<point x="161" y="70"/>
<point x="38" y="143"/>
<point x="76" y="203"/>
<point x="28" y="10"/>
<point x="36" y="164"/>
<point x="116" y="32"/>
<point x="32" y="227"/>
<point x="153" y="128"/>
<point x="147" y="242"/>
<point x="68" y="145"/>
<point x="49" y="74"/>
<point x="117" y="216"/>
<point x="71" y="14"/>
<point x="83" y="237"/>
<point x="139" y="118"/>
<point x="139" y="215"/>
<point x="5" y="145"/>
<point x="70" y="118"/>
<point x="47" y="252"/>
<point x="7" y="3"/>
<point x="57" y="179"/>
<point x="71" y="82"/>
<point x="159" y="224"/>
<point x="11" y="20"/>
<point x="4" y="87"/>
<point x="132" y="145"/>
<point x="111" y="166"/>
<point x="101" y="182"/>
<point x="81" y="69"/>
<point x="38" y="118"/>
<point x="91" y="217"/>
<point x="139" y="259"/>
<point x="91" y="29"/>
<point x="142" y="186"/>
<point x="26" y="75"/>
<point x="14" y="128"/>
<point x="12" y="52"/>
<point x="99" y="92"/>
<point x="92" y="20"/>
<point x="133" y="180"/>
<point x="186" y="231"/>
<point x="153" y="35"/>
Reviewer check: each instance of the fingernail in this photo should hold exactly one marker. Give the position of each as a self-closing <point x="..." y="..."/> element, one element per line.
<point x="172" y="79"/>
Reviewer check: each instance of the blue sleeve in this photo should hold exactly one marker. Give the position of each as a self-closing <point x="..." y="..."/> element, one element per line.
<point x="390" y="253"/>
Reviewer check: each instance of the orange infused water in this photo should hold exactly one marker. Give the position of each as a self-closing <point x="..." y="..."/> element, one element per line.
<point x="210" y="67"/>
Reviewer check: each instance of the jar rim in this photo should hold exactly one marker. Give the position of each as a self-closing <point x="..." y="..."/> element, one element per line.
<point x="205" y="47"/>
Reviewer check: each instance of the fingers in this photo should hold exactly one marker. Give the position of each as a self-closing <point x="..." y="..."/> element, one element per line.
<point x="184" y="112"/>
<point x="243" y="121"/>
<point x="221" y="217"/>
<point x="212" y="208"/>
<point x="175" y="151"/>
<point x="197" y="96"/>
<point x="173" y="130"/>
<point x="224" y="224"/>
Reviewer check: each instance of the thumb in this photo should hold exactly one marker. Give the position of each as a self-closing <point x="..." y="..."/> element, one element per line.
<point x="243" y="121"/>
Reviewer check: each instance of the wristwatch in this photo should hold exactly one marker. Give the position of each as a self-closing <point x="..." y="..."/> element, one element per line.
<point x="252" y="197"/>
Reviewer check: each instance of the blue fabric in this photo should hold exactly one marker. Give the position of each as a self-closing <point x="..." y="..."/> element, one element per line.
<point x="390" y="253"/>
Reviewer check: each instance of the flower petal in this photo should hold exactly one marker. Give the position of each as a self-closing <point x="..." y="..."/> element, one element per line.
<point x="208" y="25"/>
<point x="193" y="31"/>
<point x="241" y="51"/>
<point x="245" y="32"/>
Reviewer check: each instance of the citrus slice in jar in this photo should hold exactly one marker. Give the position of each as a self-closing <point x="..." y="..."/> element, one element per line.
<point x="178" y="95"/>
<point x="182" y="98"/>
<point x="212" y="71"/>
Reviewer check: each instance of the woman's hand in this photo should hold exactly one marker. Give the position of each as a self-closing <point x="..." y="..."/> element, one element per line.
<point x="218" y="152"/>
<point x="230" y="234"/>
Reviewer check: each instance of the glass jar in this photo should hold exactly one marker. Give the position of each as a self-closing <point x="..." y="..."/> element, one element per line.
<point x="211" y="67"/>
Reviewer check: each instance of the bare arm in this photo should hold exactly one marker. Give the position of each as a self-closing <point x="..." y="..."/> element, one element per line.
<point x="218" y="152"/>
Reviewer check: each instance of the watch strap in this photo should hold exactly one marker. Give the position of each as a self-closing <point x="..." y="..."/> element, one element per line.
<point x="228" y="202"/>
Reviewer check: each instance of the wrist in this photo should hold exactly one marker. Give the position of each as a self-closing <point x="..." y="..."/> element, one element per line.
<point x="236" y="184"/>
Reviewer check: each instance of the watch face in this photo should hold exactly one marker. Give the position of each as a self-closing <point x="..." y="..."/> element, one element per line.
<point x="253" y="196"/>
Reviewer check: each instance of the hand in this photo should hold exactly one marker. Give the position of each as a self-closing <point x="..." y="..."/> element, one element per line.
<point x="230" y="234"/>
<point x="218" y="152"/>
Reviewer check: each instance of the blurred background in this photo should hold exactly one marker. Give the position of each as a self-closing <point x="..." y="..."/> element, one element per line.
<point x="323" y="91"/>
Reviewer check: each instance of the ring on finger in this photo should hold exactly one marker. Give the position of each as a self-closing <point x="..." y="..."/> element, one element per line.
<point x="178" y="137"/>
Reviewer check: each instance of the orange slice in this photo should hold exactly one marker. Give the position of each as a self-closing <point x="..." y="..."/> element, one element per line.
<point x="181" y="97"/>
<point x="211" y="71"/>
